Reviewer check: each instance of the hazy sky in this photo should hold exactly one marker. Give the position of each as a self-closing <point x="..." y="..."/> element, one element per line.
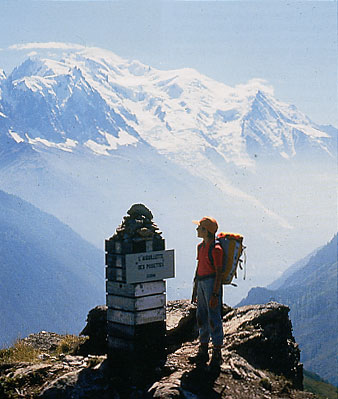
<point x="290" y="44"/>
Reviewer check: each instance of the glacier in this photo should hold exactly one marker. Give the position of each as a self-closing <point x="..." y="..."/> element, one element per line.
<point x="85" y="133"/>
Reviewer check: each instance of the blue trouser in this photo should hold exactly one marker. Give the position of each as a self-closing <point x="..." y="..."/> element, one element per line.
<point x="209" y="321"/>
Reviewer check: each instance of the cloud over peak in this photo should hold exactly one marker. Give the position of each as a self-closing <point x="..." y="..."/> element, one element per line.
<point x="47" y="46"/>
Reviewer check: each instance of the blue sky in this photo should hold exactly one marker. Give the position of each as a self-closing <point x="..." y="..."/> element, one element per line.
<point x="290" y="44"/>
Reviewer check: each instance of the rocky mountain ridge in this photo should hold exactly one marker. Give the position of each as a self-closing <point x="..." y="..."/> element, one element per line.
<point x="260" y="360"/>
<point x="92" y="99"/>
<point x="84" y="134"/>
<point x="311" y="293"/>
<point x="49" y="275"/>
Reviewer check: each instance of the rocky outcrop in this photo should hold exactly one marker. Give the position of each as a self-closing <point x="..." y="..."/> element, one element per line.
<point x="181" y="324"/>
<point x="310" y="291"/>
<point x="44" y="341"/>
<point x="262" y="334"/>
<point x="80" y="383"/>
<point x="260" y="360"/>
<point x="96" y="331"/>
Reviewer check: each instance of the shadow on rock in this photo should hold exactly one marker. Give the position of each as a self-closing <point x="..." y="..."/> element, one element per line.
<point x="200" y="380"/>
<point x="83" y="383"/>
<point x="96" y="330"/>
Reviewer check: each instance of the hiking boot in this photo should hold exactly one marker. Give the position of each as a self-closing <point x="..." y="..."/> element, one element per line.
<point x="202" y="356"/>
<point x="216" y="359"/>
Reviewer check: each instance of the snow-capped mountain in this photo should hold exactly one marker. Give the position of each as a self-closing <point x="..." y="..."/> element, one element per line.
<point x="92" y="98"/>
<point x="85" y="134"/>
<point x="2" y="74"/>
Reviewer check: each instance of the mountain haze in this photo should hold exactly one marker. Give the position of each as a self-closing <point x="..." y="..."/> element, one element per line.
<point x="290" y="271"/>
<point x="50" y="276"/>
<point x="85" y="134"/>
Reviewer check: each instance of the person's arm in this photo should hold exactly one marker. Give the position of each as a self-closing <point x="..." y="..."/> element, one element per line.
<point x="195" y="284"/>
<point x="217" y="254"/>
<point x="194" y="292"/>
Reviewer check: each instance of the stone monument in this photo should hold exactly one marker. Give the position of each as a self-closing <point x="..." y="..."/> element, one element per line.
<point x="137" y="265"/>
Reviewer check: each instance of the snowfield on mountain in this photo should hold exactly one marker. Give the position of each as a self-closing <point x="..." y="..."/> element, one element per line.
<point x="121" y="102"/>
<point x="85" y="133"/>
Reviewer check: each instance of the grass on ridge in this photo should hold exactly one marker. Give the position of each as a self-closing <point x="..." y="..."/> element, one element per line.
<point x="22" y="351"/>
<point x="19" y="352"/>
<point x="315" y="384"/>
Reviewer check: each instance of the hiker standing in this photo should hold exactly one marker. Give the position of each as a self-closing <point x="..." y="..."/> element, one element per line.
<point x="207" y="293"/>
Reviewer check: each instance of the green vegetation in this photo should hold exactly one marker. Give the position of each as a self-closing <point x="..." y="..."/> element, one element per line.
<point x="315" y="384"/>
<point x="19" y="352"/>
<point x="17" y="386"/>
<point x="69" y="344"/>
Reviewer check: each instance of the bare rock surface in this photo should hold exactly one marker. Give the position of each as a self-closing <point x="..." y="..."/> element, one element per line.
<point x="260" y="360"/>
<point x="262" y="334"/>
<point x="44" y="340"/>
<point x="96" y="330"/>
<point x="79" y="383"/>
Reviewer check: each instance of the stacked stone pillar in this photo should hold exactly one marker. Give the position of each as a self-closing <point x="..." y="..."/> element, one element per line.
<point x="136" y="267"/>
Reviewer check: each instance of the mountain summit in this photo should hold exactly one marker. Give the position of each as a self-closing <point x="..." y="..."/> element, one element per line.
<point x="84" y="134"/>
<point x="94" y="99"/>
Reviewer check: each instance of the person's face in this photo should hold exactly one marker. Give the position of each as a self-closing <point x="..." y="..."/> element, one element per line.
<point x="202" y="232"/>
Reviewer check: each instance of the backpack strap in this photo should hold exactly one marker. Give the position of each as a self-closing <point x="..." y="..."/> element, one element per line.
<point x="212" y="246"/>
<point x="199" y="246"/>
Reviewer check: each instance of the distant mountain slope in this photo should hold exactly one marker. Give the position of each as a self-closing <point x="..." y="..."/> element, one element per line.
<point x="311" y="294"/>
<point x="84" y="134"/>
<point x="290" y="271"/>
<point x="314" y="383"/>
<point x="49" y="278"/>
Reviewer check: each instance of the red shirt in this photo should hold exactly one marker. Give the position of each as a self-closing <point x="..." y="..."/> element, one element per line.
<point x="204" y="266"/>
